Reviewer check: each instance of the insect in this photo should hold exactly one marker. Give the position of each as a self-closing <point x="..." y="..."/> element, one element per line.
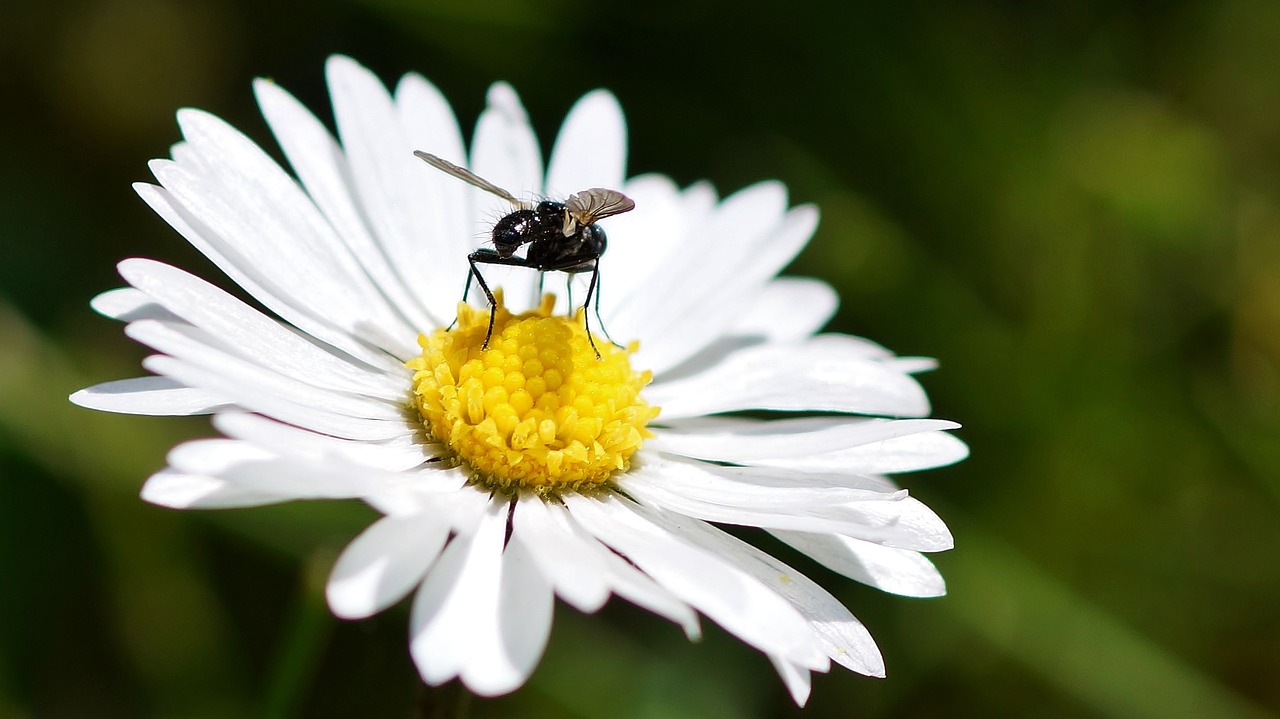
<point x="561" y="236"/>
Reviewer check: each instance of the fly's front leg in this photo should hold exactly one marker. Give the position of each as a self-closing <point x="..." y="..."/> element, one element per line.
<point x="474" y="258"/>
<point x="466" y="290"/>
<point x="586" y="309"/>
<point x="599" y="284"/>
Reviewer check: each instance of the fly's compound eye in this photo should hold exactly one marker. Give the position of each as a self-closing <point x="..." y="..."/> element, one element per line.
<point x="511" y="231"/>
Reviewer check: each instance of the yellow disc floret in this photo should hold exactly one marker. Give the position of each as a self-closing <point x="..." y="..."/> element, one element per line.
<point x="537" y="409"/>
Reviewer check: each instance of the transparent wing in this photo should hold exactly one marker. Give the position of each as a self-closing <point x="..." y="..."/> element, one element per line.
<point x="597" y="203"/>
<point x="468" y="176"/>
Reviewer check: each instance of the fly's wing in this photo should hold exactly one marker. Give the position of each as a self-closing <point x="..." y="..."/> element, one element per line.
<point x="590" y="206"/>
<point x="469" y="177"/>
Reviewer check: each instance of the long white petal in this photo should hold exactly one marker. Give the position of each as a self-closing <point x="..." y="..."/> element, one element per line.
<point x="324" y="171"/>
<point x="429" y="125"/>
<point x="384" y="563"/>
<point x="525" y="604"/>
<point x="191" y="345"/>
<point x="903" y="522"/>
<point x="254" y="335"/>
<point x="181" y="490"/>
<point x="788" y="309"/>
<point x="925" y="450"/>
<point x="826" y="376"/>
<point x="741" y="440"/>
<point x="898" y="571"/>
<point x="575" y="569"/>
<point x="219" y="251"/>
<point x="456" y="624"/>
<point x="256" y="392"/>
<point x="735" y="600"/>
<point x="591" y="149"/>
<point x="128" y="304"/>
<point x="505" y="152"/>
<point x="760" y="489"/>
<point x="290" y="441"/>
<point x="393" y="186"/>
<point x="272" y="225"/>
<point x="149" y="396"/>
<point x="843" y="637"/>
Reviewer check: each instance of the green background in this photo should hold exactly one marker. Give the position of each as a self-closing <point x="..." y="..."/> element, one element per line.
<point x="1074" y="206"/>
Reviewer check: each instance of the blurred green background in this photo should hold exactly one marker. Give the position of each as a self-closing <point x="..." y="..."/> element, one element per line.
<point x="1075" y="206"/>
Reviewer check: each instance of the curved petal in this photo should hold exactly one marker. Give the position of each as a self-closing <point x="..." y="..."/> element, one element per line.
<point x="325" y="173"/>
<point x="740" y="440"/>
<point x="393" y="186"/>
<point x="789" y="309"/>
<point x="382" y="565"/>
<point x="811" y="376"/>
<point x="735" y="600"/>
<point x="898" y="571"/>
<point x="429" y="124"/>
<point x="591" y="149"/>
<point x="256" y="337"/>
<point x="505" y="152"/>
<point x="463" y="616"/>
<point x="181" y="490"/>
<point x="254" y="390"/>
<point x="843" y="637"/>
<point x="149" y="396"/>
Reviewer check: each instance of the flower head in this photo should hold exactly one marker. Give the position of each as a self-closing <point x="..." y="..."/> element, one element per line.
<point x="533" y="460"/>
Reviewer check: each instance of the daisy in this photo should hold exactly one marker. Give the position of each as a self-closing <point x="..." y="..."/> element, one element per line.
<point x="533" y="468"/>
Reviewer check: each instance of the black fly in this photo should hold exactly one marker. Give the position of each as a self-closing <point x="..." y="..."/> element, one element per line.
<point x="562" y="236"/>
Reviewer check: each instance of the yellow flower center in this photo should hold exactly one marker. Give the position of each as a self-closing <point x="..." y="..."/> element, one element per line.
<point x="537" y="409"/>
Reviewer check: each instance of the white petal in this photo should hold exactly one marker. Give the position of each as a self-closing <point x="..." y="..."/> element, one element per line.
<point x="457" y="628"/>
<point x="898" y="571"/>
<point x="255" y="336"/>
<point x="789" y="309"/>
<point x="211" y="245"/>
<point x="245" y="465"/>
<point x="700" y="481"/>
<point x="505" y="152"/>
<point x="271" y="225"/>
<point x="384" y="563"/>
<point x="429" y="124"/>
<point x="287" y="440"/>
<point x="722" y="300"/>
<point x="661" y="310"/>
<point x="576" y="570"/>
<point x="179" y="490"/>
<point x="740" y="440"/>
<point x="629" y="582"/>
<point x="193" y="346"/>
<point x="925" y="450"/>
<point x="641" y="242"/>
<point x="812" y="376"/>
<point x="525" y="604"/>
<point x="446" y="619"/>
<point x="903" y="522"/>
<point x="259" y="392"/>
<point x="393" y="186"/>
<point x="843" y="637"/>
<point x="323" y="170"/>
<point x="127" y="304"/>
<point x="797" y="679"/>
<point x="736" y="601"/>
<point x="149" y="396"/>
<point x="591" y="149"/>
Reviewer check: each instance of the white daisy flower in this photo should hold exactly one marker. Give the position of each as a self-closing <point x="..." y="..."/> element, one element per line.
<point x="534" y="468"/>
